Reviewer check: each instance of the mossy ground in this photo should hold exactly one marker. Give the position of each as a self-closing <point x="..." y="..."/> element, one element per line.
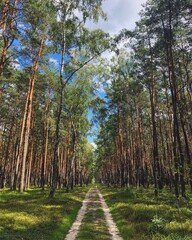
<point x="32" y="215"/>
<point x="139" y="215"/>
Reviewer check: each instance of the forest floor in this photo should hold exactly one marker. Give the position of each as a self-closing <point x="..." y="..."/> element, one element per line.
<point x="137" y="214"/>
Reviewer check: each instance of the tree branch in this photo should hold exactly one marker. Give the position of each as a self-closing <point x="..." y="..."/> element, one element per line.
<point x="82" y="65"/>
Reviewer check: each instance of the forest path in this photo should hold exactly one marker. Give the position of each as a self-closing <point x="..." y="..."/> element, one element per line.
<point x="94" y="220"/>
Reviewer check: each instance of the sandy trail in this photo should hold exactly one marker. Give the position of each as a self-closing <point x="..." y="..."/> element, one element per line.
<point x="88" y="201"/>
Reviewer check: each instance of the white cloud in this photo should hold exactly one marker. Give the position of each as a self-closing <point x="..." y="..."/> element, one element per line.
<point x="54" y="61"/>
<point x="120" y="13"/>
<point x="94" y="145"/>
<point x="15" y="64"/>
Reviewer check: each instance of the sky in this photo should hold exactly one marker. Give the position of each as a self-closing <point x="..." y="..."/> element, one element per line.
<point x="120" y="14"/>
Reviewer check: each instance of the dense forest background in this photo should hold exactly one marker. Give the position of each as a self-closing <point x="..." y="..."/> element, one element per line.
<point x="144" y="117"/>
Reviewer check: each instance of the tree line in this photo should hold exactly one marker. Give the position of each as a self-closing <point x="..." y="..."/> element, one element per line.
<point x="145" y="118"/>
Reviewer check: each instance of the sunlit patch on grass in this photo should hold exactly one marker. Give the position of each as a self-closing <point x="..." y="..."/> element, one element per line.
<point x="20" y="218"/>
<point x="51" y="206"/>
<point x="182" y="227"/>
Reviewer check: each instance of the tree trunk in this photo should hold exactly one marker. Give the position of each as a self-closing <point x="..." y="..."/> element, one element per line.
<point x="7" y="33"/>
<point x="45" y="143"/>
<point x="121" y="148"/>
<point x="59" y="110"/>
<point x="72" y="162"/>
<point x="156" y="172"/>
<point x="7" y="154"/>
<point x="25" y="131"/>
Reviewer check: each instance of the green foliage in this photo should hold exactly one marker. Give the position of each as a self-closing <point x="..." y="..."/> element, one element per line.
<point x="158" y="224"/>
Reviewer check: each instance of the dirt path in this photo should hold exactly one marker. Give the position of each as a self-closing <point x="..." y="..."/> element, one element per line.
<point x="94" y="220"/>
<point x="113" y="230"/>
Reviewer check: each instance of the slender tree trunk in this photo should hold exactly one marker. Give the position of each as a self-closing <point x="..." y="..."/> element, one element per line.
<point x="5" y="9"/>
<point x="45" y="143"/>
<point x="72" y="162"/>
<point x="7" y="154"/>
<point x="59" y="110"/>
<point x="28" y="182"/>
<point x="173" y="87"/>
<point x="25" y="131"/>
<point x="154" y="127"/>
<point x="7" y="29"/>
<point x="121" y="148"/>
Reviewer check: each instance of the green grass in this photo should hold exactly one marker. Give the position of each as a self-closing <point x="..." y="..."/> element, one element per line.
<point x="94" y="224"/>
<point x="32" y="215"/>
<point x="139" y="216"/>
